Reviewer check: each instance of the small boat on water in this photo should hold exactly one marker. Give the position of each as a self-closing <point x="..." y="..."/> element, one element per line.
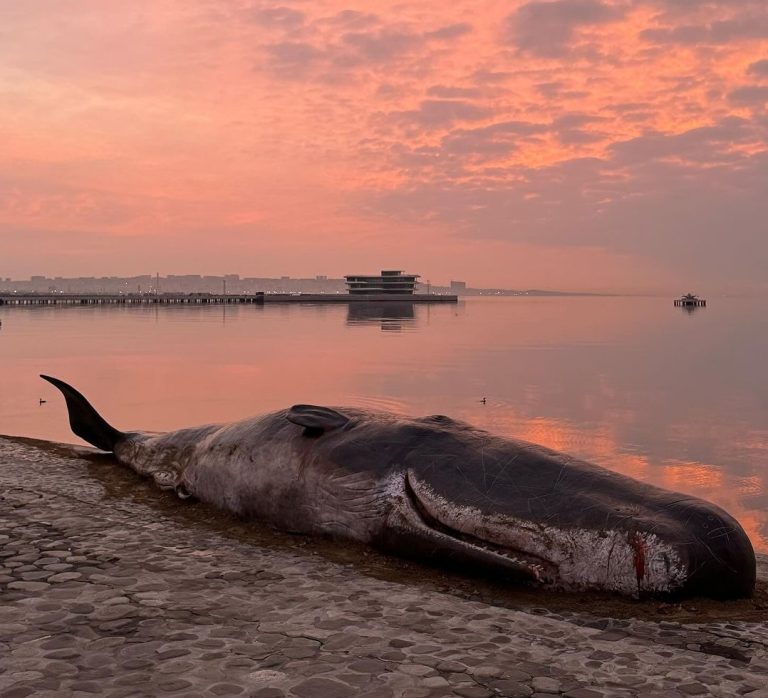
<point x="690" y="300"/>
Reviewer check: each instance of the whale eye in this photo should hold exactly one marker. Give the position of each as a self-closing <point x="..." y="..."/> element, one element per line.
<point x="164" y="478"/>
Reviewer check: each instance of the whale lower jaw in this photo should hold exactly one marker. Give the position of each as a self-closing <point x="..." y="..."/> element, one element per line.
<point x="630" y="563"/>
<point x="409" y="527"/>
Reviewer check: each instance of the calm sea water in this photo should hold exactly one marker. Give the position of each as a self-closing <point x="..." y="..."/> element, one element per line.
<point x="634" y="384"/>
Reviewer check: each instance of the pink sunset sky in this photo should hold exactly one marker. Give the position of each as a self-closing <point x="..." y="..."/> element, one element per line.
<point x="573" y="144"/>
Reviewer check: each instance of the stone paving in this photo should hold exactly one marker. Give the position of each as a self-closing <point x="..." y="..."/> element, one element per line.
<point x="108" y="595"/>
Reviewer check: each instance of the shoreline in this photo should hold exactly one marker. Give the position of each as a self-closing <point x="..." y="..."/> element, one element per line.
<point x="99" y="571"/>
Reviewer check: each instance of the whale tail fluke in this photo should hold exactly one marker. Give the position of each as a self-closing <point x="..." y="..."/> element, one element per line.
<point x="85" y="421"/>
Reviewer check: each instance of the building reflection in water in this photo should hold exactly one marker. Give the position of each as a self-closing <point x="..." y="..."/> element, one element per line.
<point x="390" y="316"/>
<point x="690" y="309"/>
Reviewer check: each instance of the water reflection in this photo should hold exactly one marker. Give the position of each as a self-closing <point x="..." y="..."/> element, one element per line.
<point x="690" y="309"/>
<point x="619" y="381"/>
<point x="390" y="317"/>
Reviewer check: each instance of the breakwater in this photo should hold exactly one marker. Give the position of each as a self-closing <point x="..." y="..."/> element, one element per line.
<point x="71" y="299"/>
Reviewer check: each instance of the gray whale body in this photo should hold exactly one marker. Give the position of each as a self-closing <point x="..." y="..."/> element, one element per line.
<point x="439" y="490"/>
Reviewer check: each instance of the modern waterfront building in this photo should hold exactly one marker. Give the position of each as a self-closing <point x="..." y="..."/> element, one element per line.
<point x="389" y="282"/>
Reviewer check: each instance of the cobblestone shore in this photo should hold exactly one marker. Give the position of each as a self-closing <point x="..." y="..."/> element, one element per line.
<point x="105" y="591"/>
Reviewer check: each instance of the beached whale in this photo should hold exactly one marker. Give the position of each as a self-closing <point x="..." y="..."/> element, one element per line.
<point x="440" y="490"/>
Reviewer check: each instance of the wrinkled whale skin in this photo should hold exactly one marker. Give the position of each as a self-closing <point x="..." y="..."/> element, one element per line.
<point x="440" y="490"/>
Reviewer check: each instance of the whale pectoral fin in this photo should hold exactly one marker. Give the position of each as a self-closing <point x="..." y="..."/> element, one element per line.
<point x="316" y="419"/>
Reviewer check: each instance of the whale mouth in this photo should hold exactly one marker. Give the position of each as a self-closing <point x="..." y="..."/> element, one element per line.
<point x="609" y="560"/>
<point x="436" y="539"/>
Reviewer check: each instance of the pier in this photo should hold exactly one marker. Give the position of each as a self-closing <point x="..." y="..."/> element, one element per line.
<point x="81" y="299"/>
<point x="352" y="298"/>
<point x="38" y="299"/>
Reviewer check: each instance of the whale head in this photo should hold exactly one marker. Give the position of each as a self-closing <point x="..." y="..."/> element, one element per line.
<point x="532" y="513"/>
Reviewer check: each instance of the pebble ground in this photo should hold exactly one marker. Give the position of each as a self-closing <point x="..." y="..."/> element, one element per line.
<point x="104" y="594"/>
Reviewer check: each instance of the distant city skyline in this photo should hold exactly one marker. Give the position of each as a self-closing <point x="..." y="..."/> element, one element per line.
<point x="228" y="283"/>
<point x="590" y="145"/>
<point x="199" y="283"/>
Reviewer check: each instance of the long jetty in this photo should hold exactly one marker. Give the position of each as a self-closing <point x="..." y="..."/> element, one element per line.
<point x="37" y="299"/>
<point x="79" y="299"/>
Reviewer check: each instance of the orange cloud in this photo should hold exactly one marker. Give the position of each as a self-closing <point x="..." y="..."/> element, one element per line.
<point x="298" y="126"/>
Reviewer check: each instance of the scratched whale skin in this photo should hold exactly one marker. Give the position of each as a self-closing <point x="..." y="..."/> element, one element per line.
<point x="441" y="491"/>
